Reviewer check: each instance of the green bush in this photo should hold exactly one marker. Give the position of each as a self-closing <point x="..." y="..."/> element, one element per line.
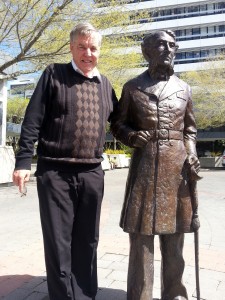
<point x="111" y="151"/>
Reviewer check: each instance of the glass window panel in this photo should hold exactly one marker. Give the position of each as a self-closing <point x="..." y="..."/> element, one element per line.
<point x="189" y="55"/>
<point x="204" y="53"/>
<point x="203" y="7"/>
<point x="193" y="8"/>
<point x="195" y="31"/>
<point x="221" y="28"/>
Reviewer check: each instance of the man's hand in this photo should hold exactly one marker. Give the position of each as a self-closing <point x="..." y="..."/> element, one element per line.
<point x="140" y="139"/>
<point x="20" y="177"/>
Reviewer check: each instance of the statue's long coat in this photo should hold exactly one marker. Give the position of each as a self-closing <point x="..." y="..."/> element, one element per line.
<point x="157" y="198"/>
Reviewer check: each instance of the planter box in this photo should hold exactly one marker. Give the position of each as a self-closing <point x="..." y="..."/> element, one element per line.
<point x="211" y="162"/>
<point x="7" y="163"/>
<point x="105" y="163"/>
<point x="121" y="160"/>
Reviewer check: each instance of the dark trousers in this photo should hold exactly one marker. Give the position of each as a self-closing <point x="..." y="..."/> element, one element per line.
<point x="70" y="204"/>
<point x="141" y="267"/>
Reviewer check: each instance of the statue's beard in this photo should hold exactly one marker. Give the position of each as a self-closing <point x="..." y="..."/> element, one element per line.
<point x="160" y="71"/>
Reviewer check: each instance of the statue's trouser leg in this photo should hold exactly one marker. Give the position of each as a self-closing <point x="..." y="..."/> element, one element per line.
<point x="172" y="267"/>
<point x="141" y="267"/>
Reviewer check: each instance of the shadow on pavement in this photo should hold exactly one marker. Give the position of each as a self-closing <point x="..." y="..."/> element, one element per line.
<point x="19" y="287"/>
<point x="112" y="294"/>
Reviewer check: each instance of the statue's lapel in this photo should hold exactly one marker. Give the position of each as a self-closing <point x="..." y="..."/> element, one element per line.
<point x="172" y="86"/>
<point x="147" y="85"/>
<point x="160" y="89"/>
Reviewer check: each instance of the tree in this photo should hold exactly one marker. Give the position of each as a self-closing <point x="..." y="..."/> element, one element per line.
<point x="16" y="109"/>
<point x="34" y="33"/>
<point x="208" y="93"/>
<point x="15" y="112"/>
<point x="120" y="52"/>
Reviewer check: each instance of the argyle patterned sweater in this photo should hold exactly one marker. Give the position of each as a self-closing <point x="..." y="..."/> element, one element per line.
<point x="67" y="115"/>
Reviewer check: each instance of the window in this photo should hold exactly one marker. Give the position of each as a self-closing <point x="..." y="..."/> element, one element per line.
<point x="221" y="5"/>
<point x="181" y="55"/>
<point x="203" y="7"/>
<point x="179" y="11"/>
<point x="221" y="28"/>
<point x="178" y="33"/>
<point x="196" y="54"/>
<point x="188" y="32"/>
<point x="189" y="55"/>
<point x="193" y="9"/>
<point x="196" y="31"/>
<point x="204" y="53"/>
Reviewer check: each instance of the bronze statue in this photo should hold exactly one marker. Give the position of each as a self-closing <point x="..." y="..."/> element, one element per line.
<point x="155" y="117"/>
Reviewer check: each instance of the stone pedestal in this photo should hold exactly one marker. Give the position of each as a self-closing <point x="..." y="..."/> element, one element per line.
<point x="7" y="164"/>
<point x="7" y="157"/>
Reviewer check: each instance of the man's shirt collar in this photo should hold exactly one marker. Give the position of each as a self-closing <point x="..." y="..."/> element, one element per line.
<point x="95" y="72"/>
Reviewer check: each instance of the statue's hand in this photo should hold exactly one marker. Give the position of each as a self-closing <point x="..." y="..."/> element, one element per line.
<point x="195" y="224"/>
<point x="140" y="139"/>
<point x="193" y="166"/>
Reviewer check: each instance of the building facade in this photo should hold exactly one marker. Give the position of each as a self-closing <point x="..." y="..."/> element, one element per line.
<point x="200" y="30"/>
<point x="198" y="25"/>
<point x="23" y="87"/>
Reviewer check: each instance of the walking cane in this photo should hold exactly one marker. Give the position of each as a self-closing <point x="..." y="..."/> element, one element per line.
<point x="193" y="178"/>
<point x="196" y="239"/>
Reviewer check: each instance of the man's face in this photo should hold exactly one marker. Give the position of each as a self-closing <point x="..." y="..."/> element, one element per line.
<point x="85" y="51"/>
<point x="162" y="49"/>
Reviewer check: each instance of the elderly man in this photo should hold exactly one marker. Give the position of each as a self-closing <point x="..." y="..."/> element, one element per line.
<point x="67" y="114"/>
<point x="156" y="118"/>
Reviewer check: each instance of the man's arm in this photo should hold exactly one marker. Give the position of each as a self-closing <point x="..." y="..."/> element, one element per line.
<point x="120" y="123"/>
<point x="30" y="131"/>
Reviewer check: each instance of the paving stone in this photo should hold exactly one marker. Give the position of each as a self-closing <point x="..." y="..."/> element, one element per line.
<point x="38" y="296"/>
<point x="111" y="294"/>
<point x="104" y="282"/>
<point x="42" y="288"/>
<point x="104" y="263"/>
<point x="112" y="257"/>
<point x="118" y="275"/>
<point x="119" y="266"/>
<point x="12" y="282"/>
<point x="103" y="273"/>
<point x="18" y="294"/>
<point x="119" y="285"/>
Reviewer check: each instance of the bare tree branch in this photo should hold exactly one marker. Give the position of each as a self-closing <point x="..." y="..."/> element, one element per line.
<point x="37" y="32"/>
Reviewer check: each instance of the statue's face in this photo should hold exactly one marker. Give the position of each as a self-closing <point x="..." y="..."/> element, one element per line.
<point x="161" y="49"/>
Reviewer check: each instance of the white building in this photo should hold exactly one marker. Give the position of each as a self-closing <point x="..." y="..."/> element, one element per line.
<point x="21" y="87"/>
<point x="198" y="25"/>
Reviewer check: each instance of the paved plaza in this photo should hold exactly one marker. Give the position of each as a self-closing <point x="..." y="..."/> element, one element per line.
<point x="22" y="269"/>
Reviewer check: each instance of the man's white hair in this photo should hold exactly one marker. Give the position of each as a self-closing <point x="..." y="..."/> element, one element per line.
<point x="84" y="29"/>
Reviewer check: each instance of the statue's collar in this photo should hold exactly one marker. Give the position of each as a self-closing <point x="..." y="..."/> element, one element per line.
<point x="160" y="88"/>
